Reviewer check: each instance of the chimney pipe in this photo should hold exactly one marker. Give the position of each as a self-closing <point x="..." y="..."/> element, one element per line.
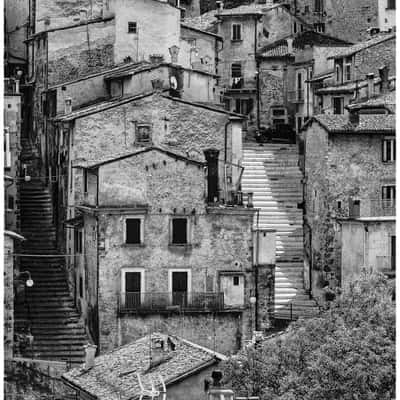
<point x="354" y="117"/>
<point x="370" y="87"/>
<point x="90" y="352"/>
<point x="68" y="105"/>
<point x="211" y="156"/>
<point x="384" y="75"/>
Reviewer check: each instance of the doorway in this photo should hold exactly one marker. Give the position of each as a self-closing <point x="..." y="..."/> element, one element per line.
<point x="132" y="288"/>
<point x="179" y="288"/>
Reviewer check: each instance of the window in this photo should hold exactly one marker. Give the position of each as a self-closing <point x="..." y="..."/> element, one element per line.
<point x="389" y="149"/>
<point x="143" y="134"/>
<point x="318" y="6"/>
<point x="306" y="9"/>
<point x="7" y="148"/>
<point x="279" y="116"/>
<point x="179" y="231"/>
<point x="391" y="4"/>
<point x="338" y="105"/>
<point x="132" y="287"/>
<point x="236" y="280"/>
<point x="132" y="27"/>
<point x="80" y="286"/>
<point x="243" y="106"/>
<point x="10" y="203"/>
<point x="236" y="32"/>
<point x="133" y="231"/>
<point x="389" y="193"/>
<point x="338" y="74"/>
<point x="78" y="238"/>
<point x="236" y="70"/>
<point x="294" y="27"/>
<point x="347" y="72"/>
<point x="85" y="181"/>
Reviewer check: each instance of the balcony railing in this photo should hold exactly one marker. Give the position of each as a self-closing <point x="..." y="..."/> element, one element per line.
<point x="296" y="96"/>
<point x="170" y="301"/>
<point x="382" y="208"/>
<point x="10" y="86"/>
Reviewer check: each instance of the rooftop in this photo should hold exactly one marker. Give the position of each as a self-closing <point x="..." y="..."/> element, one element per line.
<point x="364" y="45"/>
<point x="307" y="38"/>
<point x="106" y="105"/>
<point x="121" y="156"/>
<point x="339" y="123"/>
<point x="113" y="376"/>
<point x="205" y="22"/>
<point x="387" y="100"/>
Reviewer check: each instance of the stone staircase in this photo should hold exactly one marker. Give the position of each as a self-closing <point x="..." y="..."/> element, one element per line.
<point x="272" y="174"/>
<point x="48" y="306"/>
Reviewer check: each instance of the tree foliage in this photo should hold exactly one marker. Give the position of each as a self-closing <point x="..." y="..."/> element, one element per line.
<point x="346" y="353"/>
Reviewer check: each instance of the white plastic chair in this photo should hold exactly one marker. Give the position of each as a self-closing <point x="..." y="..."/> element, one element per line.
<point x="152" y="393"/>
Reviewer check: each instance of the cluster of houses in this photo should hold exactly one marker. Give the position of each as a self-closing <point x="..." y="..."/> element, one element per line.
<point x="182" y="177"/>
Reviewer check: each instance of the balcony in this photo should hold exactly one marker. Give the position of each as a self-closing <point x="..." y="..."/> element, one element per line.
<point x="296" y="96"/>
<point x="382" y="208"/>
<point x="164" y="302"/>
<point x="10" y="86"/>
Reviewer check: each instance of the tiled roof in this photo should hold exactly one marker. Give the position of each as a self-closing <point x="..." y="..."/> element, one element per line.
<point x="120" y="156"/>
<point x="106" y="105"/>
<point x="364" y="45"/>
<point x="310" y="38"/>
<point x="204" y="22"/>
<point x="113" y="376"/>
<point x="339" y="123"/>
<point x="384" y="100"/>
<point x="244" y="9"/>
<point x="191" y="27"/>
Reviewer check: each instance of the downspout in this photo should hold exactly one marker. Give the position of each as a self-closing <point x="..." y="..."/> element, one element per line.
<point x="256" y="271"/>
<point x="257" y="72"/>
<point x="97" y="333"/>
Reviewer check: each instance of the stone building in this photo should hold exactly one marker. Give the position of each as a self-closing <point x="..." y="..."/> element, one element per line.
<point x="183" y="366"/>
<point x="350" y="190"/>
<point x="387" y="15"/>
<point x="184" y="129"/>
<point x="286" y="66"/>
<point x="12" y="150"/>
<point x="357" y="73"/>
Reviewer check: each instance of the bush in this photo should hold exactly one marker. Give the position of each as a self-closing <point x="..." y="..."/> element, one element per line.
<point x="347" y="353"/>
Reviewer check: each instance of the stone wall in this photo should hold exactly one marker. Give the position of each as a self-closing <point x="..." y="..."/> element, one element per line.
<point x="347" y="166"/>
<point x="372" y="58"/>
<point x="79" y="51"/>
<point x="8" y="297"/>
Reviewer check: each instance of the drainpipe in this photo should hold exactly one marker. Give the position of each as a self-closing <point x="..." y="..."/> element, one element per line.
<point x="257" y="72"/>
<point x="97" y="333"/>
<point x="256" y="272"/>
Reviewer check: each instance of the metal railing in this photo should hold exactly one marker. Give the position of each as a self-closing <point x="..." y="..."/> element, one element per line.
<point x="170" y="301"/>
<point x="10" y="86"/>
<point x="382" y="208"/>
<point x="296" y="96"/>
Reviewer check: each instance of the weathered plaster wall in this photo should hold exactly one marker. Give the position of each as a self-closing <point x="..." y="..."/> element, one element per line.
<point x="79" y="51"/>
<point x="387" y="17"/>
<point x="360" y="248"/>
<point x="150" y="178"/>
<point x="151" y="38"/>
<point x="347" y="167"/>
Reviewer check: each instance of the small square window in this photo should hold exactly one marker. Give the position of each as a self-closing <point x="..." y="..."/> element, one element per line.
<point x="133" y="231"/>
<point x="143" y="133"/>
<point x="132" y="27"/>
<point x="339" y="205"/>
<point x="235" y="280"/>
<point x="179" y="231"/>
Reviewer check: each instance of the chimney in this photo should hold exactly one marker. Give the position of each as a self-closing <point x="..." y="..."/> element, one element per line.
<point x="370" y="87"/>
<point x="68" y="105"/>
<point x="289" y="42"/>
<point x="384" y="75"/>
<point x="82" y="15"/>
<point x="212" y="175"/>
<point x="354" y="117"/>
<point x="90" y="352"/>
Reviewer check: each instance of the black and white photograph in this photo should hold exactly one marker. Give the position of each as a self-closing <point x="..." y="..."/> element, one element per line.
<point x="199" y="199"/>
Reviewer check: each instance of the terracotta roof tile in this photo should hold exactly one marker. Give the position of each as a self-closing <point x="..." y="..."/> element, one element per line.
<point x="113" y="376"/>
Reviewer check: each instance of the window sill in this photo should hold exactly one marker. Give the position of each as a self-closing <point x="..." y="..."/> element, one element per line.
<point x="133" y="245"/>
<point x="236" y="40"/>
<point x="180" y="246"/>
<point x="389" y="162"/>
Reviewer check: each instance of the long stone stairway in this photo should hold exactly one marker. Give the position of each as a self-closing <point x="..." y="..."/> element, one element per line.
<point x="272" y="174"/>
<point x="58" y="333"/>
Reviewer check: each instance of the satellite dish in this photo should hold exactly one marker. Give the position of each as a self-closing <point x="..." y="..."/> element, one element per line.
<point x="173" y="83"/>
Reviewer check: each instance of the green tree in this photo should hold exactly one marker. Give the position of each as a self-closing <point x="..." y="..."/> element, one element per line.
<point x="347" y="353"/>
